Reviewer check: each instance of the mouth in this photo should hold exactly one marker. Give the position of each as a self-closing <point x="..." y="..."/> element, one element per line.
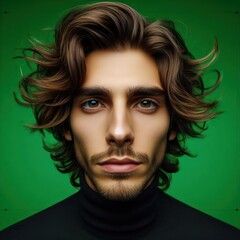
<point x="117" y="165"/>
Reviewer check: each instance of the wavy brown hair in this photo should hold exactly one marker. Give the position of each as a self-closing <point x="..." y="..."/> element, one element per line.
<point x="61" y="70"/>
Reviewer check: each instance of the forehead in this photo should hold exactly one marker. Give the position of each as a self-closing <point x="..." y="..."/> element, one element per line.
<point x="121" y="70"/>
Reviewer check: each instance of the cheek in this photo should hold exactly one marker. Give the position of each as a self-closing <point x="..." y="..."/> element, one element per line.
<point x="151" y="133"/>
<point x="88" y="133"/>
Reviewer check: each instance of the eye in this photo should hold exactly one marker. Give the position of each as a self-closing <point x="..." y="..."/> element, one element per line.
<point x="91" y="104"/>
<point x="147" y="105"/>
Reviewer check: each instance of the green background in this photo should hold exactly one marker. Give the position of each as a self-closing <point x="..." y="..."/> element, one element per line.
<point x="210" y="182"/>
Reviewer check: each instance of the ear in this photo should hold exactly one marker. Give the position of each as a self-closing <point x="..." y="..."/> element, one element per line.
<point x="172" y="136"/>
<point x="68" y="135"/>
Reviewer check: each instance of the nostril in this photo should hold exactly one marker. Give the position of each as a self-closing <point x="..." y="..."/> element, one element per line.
<point x="128" y="140"/>
<point x="111" y="142"/>
<point x="117" y="141"/>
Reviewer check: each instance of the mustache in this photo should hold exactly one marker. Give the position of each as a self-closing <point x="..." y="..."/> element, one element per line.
<point x="119" y="152"/>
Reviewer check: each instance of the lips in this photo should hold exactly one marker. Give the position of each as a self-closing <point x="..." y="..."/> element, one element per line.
<point x="115" y="165"/>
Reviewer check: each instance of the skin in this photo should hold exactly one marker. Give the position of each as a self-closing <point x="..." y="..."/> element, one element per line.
<point x="112" y="120"/>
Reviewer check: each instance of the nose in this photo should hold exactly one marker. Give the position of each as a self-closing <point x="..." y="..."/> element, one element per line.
<point x="119" y="132"/>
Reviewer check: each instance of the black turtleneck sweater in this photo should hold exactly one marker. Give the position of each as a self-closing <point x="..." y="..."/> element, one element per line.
<point x="88" y="216"/>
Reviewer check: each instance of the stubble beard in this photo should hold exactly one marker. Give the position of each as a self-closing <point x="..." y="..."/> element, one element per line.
<point x="120" y="186"/>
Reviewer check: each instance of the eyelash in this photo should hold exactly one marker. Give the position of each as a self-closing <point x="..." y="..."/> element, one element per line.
<point x="88" y="101"/>
<point x="154" y="105"/>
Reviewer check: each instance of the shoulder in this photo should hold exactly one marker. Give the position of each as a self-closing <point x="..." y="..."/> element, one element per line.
<point x="51" y="223"/>
<point x="181" y="220"/>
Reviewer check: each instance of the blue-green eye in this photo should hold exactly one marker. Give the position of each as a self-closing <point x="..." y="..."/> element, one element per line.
<point x="146" y="104"/>
<point x="92" y="104"/>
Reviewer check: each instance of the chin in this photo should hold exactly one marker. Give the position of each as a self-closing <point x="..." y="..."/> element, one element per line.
<point x="120" y="188"/>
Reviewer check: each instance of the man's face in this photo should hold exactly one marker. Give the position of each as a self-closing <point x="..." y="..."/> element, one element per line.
<point x="119" y="123"/>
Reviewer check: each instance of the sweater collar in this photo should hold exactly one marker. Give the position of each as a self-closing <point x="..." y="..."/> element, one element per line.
<point x="110" y="219"/>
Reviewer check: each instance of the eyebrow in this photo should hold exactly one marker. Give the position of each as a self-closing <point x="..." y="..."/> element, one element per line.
<point x="132" y="92"/>
<point x="93" y="91"/>
<point x="145" y="92"/>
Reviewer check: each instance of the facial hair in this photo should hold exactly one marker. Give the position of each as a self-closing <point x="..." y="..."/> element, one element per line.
<point x="119" y="189"/>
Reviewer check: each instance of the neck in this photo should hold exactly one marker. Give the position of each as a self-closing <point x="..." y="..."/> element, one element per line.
<point x="125" y="219"/>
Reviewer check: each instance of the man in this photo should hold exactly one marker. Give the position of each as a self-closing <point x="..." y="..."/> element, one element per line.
<point x="120" y="95"/>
